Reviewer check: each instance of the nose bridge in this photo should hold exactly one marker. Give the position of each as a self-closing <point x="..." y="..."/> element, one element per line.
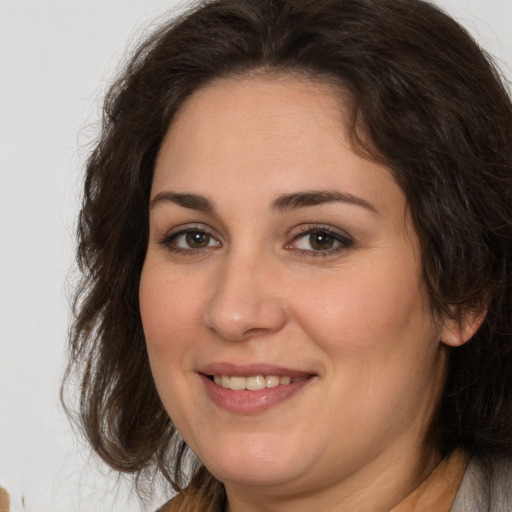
<point x="244" y="300"/>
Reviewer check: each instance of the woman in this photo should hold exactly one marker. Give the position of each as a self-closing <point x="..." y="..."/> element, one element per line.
<point x="295" y="238"/>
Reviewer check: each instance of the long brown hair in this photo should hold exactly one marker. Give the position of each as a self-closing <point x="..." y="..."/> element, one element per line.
<point x="424" y="99"/>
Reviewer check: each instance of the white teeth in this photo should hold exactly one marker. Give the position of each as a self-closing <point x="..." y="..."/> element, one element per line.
<point x="254" y="382"/>
<point x="271" y="381"/>
<point x="236" y="383"/>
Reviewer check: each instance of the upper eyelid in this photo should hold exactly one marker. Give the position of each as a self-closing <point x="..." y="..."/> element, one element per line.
<point x="305" y="229"/>
<point x="194" y="226"/>
<point x="167" y="236"/>
<point x="344" y="240"/>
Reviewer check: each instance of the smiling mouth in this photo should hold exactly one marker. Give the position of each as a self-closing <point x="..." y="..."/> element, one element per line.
<point x="245" y="390"/>
<point x="254" y="382"/>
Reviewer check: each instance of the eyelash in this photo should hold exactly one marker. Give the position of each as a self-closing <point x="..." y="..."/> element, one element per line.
<point x="344" y="241"/>
<point x="170" y="238"/>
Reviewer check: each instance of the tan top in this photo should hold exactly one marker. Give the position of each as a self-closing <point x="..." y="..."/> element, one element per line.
<point x="4" y="500"/>
<point x="436" y="493"/>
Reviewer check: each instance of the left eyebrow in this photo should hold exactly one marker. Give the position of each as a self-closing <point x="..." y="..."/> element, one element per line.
<point x="297" y="200"/>
<point x="192" y="201"/>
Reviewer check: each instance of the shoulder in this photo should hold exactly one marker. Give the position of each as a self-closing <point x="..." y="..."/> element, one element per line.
<point x="176" y="504"/>
<point x="486" y="486"/>
<point x="168" y="507"/>
<point x="182" y="502"/>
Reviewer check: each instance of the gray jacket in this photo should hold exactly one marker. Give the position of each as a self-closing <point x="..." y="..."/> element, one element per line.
<point x="485" y="487"/>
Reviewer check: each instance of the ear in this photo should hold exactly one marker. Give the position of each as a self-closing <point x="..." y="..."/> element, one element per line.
<point x="461" y="328"/>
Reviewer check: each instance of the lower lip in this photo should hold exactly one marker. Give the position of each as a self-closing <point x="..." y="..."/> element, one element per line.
<point x="251" y="402"/>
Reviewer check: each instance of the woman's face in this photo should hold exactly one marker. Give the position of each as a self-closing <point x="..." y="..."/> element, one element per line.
<point x="287" y="325"/>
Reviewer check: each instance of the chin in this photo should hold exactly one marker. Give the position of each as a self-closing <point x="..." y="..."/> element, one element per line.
<point x="253" y="463"/>
<point x="258" y="476"/>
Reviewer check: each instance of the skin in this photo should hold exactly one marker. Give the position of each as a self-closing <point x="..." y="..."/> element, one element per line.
<point x="355" y="316"/>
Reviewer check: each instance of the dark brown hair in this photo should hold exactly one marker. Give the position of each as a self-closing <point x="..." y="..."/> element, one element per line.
<point x="423" y="98"/>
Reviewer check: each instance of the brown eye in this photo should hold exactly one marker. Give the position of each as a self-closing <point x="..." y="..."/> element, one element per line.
<point x="317" y="241"/>
<point x="321" y="241"/>
<point x="190" y="240"/>
<point x="197" y="239"/>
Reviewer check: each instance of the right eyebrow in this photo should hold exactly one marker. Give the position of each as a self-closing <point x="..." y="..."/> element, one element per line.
<point x="307" y="198"/>
<point x="192" y="201"/>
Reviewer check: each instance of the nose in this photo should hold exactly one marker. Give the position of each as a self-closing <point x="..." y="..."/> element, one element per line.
<point x="246" y="300"/>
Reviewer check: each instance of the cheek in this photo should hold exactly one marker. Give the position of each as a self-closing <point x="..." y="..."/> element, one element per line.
<point x="365" y="307"/>
<point x="381" y="342"/>
<point x="169" y="311"/>
<point x="169" y="308"/>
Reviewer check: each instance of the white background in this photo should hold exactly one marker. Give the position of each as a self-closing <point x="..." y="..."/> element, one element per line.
<point x="56" y="58"/>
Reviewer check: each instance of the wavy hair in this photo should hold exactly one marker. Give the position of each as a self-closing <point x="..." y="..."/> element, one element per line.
<point x="423" y="98"/>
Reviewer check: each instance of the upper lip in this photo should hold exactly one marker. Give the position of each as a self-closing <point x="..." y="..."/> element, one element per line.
<point x="237" y="370"/>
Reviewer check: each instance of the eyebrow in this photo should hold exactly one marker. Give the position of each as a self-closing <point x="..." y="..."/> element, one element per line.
<point x="294" y="201"/>
<point x="192" y="201"/>
<point x="282" y="203"/>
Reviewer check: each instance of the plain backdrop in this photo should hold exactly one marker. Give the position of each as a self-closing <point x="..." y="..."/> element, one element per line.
<point x="56" y="59"/>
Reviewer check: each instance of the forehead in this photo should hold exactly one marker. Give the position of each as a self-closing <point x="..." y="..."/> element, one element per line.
<point x="265" y="135"/>
<point x="280" y="111"/>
